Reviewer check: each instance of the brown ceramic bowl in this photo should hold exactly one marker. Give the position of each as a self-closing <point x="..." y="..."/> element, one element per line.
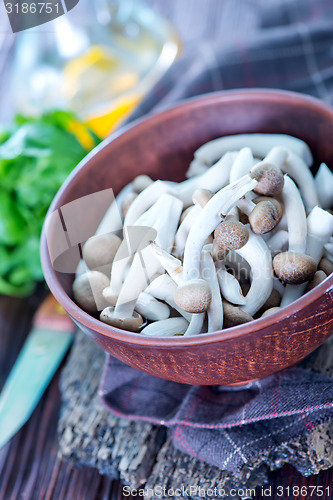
<point x="162" y="146"/>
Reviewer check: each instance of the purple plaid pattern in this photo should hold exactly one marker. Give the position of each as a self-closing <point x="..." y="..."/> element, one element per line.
<point x="225" y="426"/>
<point x="284" y="44"/>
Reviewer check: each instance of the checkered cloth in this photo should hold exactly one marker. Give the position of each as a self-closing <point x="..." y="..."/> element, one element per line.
<point x="289" y="45"/>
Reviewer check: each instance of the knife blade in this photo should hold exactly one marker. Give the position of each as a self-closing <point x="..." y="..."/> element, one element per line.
<point x="37" y="362"/>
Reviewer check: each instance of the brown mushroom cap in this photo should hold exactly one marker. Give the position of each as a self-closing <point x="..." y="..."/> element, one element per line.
<point x="265" y="216"/>
<point x="294" y="268"/>
<point x="194" y="296"/>
<point x="87" y="291"/>
<point x="270" y="311"/>
<point x="270" y="179"/>
<point x="231" y="234"/>
<point x="234" y="316"/>
<point x="131" y="324"/>
<point x="318" y="278"/>
<point x="98" y="252"/>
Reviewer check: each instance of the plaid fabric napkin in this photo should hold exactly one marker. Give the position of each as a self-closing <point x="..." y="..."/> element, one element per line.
<point x="289" y="46"/>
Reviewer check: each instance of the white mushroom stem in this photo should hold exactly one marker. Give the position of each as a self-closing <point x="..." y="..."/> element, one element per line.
<point x="210" y="216"/>
<point x="229" y="285"/>
<point x="148" y="219"/>
<point x="242" y="165"/>
<point x="319" y="231"/>
<point x="150" y="308"/>
<point x="184" y="229"/>
<point x="208" y="273"/>
<point x="196" y="324"/>
<point x="163" y="288"/>
<point x="145" y="263"/>
<point x="324" y="185"/>
<point x="141" y="182"/>
<point x="213" y="179"/>
<point x="171" y="264"/>
<point x="296" y="216"/>
<point x="276" y="156"/>
<point x="260" y="144"/>
<point x="196" y="167"/>
<point x="257" y="254"/>
<point x="299" y="171"/>
<point x="166" y="328"/>
<point x="278" y="241"/>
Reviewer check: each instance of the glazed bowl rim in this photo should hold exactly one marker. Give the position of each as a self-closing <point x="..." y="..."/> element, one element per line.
<point x="122" y="134"/>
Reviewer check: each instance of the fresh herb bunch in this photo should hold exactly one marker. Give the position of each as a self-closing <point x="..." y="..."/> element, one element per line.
<point x="36" y="156"/>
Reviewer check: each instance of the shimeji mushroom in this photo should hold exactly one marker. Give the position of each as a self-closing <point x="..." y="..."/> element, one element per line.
<point x="260" y="144"/>
<point x="295" y="166"/>
<point x="141" y="182"/>
<point x="294" y="266"/>
<point x="112" y="221"/>
<point x="270" y="311"/>
<point x="99" y="251"/>
<point x="278" y="241"/>
<point x="208" y="272"/>
<point x="164" y="288"/>
<point x="229" y="285"/>
<point x="150" y="308"/>
<point x="124" y="253"/>
<point x="200" y="198"/>
<point x="215" y="178"/>
<point x="166" y="328"/>
<point x="263" y="216"/>
<point x="210" y="216"/>
<point x="192" y="296"/>
<point x="146" y="199"/>
<point x="326" y="265"/>
<point x="243" y="163"/>
<point x="319" y="226"/>
<point x="318" y="278"/>
<point x="144" y="266"/>
<point x="258" y="256"/>
<point x="299" y="171"/>
<point x="324" y="185"/>
<point x="87" y="291"/>
<point x="270" y="178"/>
<point x="127" y="202"/>
<point x="234" y="316"/>
<point x="184" y="229"/>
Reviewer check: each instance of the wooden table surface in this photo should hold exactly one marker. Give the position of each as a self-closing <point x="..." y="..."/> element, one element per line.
<point x="29" y="466"/>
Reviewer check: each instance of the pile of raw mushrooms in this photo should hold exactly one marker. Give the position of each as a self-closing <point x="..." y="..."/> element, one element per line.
<point x="247" y="233"/>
